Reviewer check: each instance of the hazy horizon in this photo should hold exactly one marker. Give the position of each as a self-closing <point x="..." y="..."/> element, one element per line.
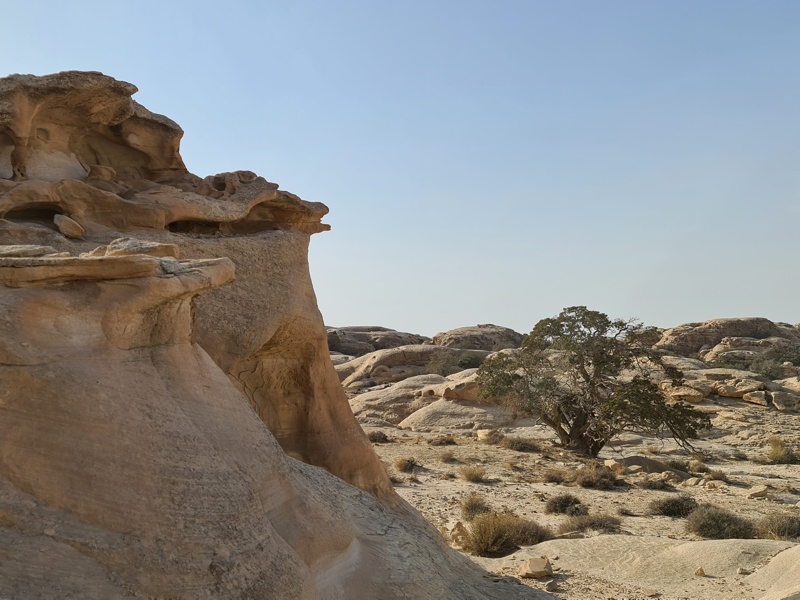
<point x="485" y="162"/>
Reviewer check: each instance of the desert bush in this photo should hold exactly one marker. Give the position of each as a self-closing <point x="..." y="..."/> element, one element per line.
<point x="596" y="477"/>
<point x="718" y="475"/>
<point x="406" y="465"/>
<point x="474" y="505"/>
<point x="599" y="522"/>
<point x="554" y="476"/>
<point x="656" y="484"/>
<point x="675" y="506"/>
<point x="519" y="444"/>
<point x="473" y="473"/>
<point x="678" y="464"/>
<point x="378" y="437"/>
<point x="718" y="524"/>
<point x="696" y="466"/>
<point x="443" y="440"/>
<point x="779" y="452"/>
<point x="470" y="361"/>
<point x="447" y="456"/>
<point x="565" y="504"/>
<point x="493" y="534"/>
<point x="779" y="526"/>
<point x="493" y="437"/>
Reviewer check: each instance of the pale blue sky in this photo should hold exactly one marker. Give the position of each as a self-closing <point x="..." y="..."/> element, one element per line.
<point x="484" y="161"/>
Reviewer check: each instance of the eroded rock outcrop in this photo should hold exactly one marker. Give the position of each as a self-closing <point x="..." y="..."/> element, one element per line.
<point x="130" y="465"/>
<point x="479" y="337"/>
<point x="693" y="337"/>
<point x="82" y="164"/>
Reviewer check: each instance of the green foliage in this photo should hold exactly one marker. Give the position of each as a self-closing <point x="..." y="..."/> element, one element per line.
<point x="470" y="361"/>
<point x="493" y="534"/>
<point x="586" y="377"/>
<point x="719" y="524"/>
<point x="675" y="506"/>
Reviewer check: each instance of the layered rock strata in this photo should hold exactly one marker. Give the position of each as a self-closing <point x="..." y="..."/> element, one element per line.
<point x="130" y="465"/>
<point x="82" y="164"/>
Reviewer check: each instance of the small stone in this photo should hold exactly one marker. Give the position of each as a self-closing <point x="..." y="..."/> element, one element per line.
<point x="68" y="227"/>
<point x="758" y="491"/>
<point x="692" y="481"/>
<point x="535" y="568"/>
<point x="551" y="586"/>
<point x="635" y="469"/>
<point x="700" y="572"/>
<point x="743" y="571"/>
<point x="50" y="532"/>
<point x="759" y="398"/>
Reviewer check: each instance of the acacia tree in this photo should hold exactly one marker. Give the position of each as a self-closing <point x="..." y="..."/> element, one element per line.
<point x="586" y="377"/>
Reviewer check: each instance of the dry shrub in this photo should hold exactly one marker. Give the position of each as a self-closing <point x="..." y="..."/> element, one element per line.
<point x="718" y="524"/>
<point x="406" y="465"/>
<point x="599" y="522"/>
<point x="443" y="440"/>
<point x="779" y="453"/>
<point x="447" y="456"/>
<point x="473" y="473"/>
<point x="718" y="475"/>
<point x="656" y="484"/>
<point x="779" y="526"/>
<point x="565" y="504"/>
<point x="696" y="466"/>
<point x="675" y="506"/>
<point x="596" y="477"/>
<point x="678" y="464"/>
<point x="474" y="505"/>
<point x="378" y="437"/>
<point x="520" y="444"/>
<point x="554" y="476"/>
<point x="493" y="437"/>
<point x="492" y="534"/>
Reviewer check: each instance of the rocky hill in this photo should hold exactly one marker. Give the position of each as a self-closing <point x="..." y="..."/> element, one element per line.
<point x="171" y="424"/>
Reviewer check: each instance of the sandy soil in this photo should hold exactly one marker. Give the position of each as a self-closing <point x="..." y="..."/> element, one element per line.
<point x="736" y="447"/>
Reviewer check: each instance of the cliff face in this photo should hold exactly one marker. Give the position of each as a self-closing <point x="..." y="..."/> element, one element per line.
<point x="151" y="409"/>
<point x="84" y="164"/>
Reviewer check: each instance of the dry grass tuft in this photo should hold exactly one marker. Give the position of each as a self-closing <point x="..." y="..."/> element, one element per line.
<point x="599" y="522"/>
<point x="717" y="523"/>
<point x="565" y="504"/>
<point x="406" y="465"/>
<point x="779" y="452"/>
<point x="656" y="484"/>
<point x="473" y="473"/>
<point x="676" y="506"/>
<point x="493" y="437"/>
<point x="520" y="444"/>
<point x="378" y="437"/>
<point x="474" y="505"/>
<point x="597" y="477"/>
<point x="492" y="534"/>
<point x="779" y="526"/>
<point x="554" y="476"/>
<point x="447" y="456"/>
<point x="443" y="440"/>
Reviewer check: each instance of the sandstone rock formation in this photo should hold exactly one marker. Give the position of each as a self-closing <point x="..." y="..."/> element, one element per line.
<point x="694" y="337"/>
<point x="138" y="453"/>
<point x="131" y="466"/>
<point x="76" y="149"/>
<point x="361" y="340"/>
<point x="479" y="337"/>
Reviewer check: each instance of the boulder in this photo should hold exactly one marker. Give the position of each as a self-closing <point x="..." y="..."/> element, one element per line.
<point x="390" y="405"/>
<point x="360" y="340"/>
<point x="449" y="414"/>
<point x="479" y="337"/>
<point x="759" y="398"/>
<point x="684" y="393"/>
<point x="785" y="401"/>
<point x="691" y="338"/>
<point x="535" y="568"/>
<point x="746" y="349"/>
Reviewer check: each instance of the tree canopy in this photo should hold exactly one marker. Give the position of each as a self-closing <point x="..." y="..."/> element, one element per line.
<point x="587" y="377"/>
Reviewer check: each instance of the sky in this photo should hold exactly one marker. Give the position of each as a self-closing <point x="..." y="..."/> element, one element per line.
<point x="484" y="161"/>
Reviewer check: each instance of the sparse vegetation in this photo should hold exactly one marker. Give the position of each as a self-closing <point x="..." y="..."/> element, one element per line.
<point x="718" y="524"/>
<point x="567" y="374"/>
<point x="470" y="361"/>
<point x="443" y="440"/>
<point x="565" y="504"/>
<point x="406" y="465"/>
<point x="473" y="473"/>
<point x="718" y="475"/>
<point x="447" y="456"/>
<point x="599" y="522"/>
<point x="596" y="477"/>
<point x="674" y="506"/>
<point x="520" y="444"/>
<point x="678" y="464"/>
<point x="656" y="484"/>
<point x="493" y="437"/>
<point x="696" y="466"/>
<point x="779" y="526"/>
<point x="554" y="476"/>
<point x="499" y="534"/>
<point x="474" y="505"/>
<point x="779" y="452"/>
<point x="378" y="437"/>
